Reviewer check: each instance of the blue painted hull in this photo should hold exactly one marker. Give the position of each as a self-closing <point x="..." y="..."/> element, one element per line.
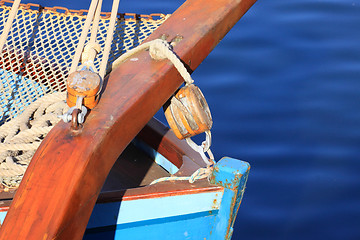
<point x="204" y="215"/>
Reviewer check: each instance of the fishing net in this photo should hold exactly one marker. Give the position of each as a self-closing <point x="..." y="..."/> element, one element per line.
<point x="36" y="59"/>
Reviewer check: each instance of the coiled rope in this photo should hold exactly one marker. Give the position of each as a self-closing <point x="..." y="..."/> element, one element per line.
<point x="20" y="137"/>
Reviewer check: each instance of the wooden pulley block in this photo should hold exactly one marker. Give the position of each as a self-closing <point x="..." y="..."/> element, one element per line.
<point x="188" y="113"/>
<point x="83" y="83"/>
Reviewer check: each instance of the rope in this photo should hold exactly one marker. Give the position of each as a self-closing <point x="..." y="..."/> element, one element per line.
<point x="201" y="173"/>
<point x="83" y="36"/>
<point x="109" y="38"/>
<point x="158" y="49"/>
<point x="92" y="48"/>
<point x="9" y="22"/>
<point x="90" y="51"/>
<point x="20" y="137"/>
<point x="96" y="20"/>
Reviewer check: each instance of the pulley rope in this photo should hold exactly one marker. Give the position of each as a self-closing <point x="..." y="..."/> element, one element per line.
<point x="92" y="48"/>
<point x="83" y="36"/>
<point x="109" y="38"/>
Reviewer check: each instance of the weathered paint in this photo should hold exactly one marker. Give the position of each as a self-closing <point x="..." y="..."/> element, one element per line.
<point x="231" y="174"/>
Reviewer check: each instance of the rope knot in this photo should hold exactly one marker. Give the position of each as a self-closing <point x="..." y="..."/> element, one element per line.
<point x="201" y="173"/>
<point x="159" y="49"/>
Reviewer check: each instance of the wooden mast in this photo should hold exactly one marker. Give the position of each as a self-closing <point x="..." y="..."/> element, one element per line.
<point x="60" y="187"/>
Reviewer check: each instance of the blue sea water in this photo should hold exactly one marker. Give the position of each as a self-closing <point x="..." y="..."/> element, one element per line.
<point x="284" y="90"/>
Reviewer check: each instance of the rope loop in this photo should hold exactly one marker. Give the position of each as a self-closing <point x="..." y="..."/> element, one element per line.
<point x="200" y="174"/>
<point x="92" y="46"/>
<point x="159" y="48"/>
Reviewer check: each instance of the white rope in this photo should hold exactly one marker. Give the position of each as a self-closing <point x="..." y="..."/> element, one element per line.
<point x="159" y="49"/>
<point x="11" y="168"/>
<point x="201" y="173"/>
<point x="9" y="22"/>
<point x="95" y="23"/>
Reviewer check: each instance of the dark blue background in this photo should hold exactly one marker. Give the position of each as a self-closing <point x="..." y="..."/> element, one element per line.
<point x="283" y="88"/>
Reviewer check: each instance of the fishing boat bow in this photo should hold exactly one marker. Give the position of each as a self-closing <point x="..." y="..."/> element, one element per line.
<point x="61" y="185"/>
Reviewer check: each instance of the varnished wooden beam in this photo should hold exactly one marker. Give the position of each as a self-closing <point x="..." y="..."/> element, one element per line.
<point x="62" y="183"/>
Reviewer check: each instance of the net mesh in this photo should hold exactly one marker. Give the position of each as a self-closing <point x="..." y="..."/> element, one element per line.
<point x="39" y="49"/>
<point x="34" y="65"/>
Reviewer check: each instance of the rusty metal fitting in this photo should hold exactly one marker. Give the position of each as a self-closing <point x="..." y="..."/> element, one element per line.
<point x="69" y="115"/>
<point x="84" y="83"/>
<point x="188" y="113"/>
<point x="75" y="125"/>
